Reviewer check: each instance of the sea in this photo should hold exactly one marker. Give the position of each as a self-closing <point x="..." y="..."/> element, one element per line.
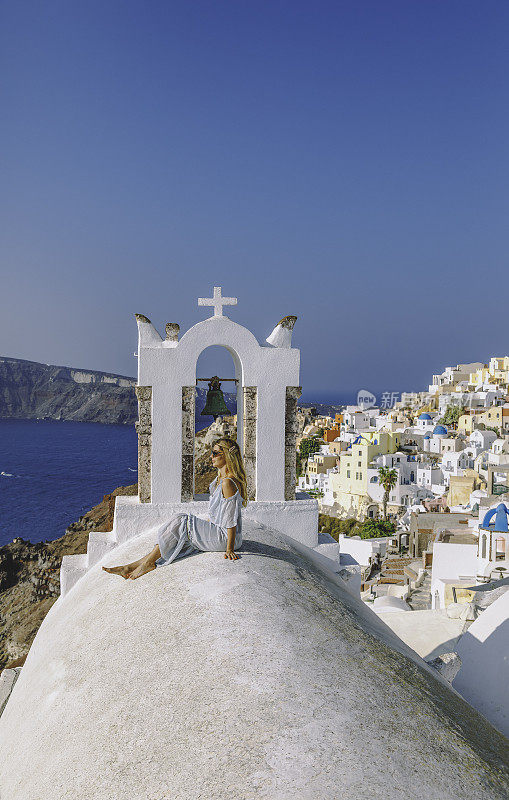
<point x="51" y="473"/>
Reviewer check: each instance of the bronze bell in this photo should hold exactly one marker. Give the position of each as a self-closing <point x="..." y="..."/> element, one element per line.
<point x="214" y="404"/>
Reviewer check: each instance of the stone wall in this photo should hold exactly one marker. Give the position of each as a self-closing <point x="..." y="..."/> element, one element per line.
<point x="188" y="408"/>
<point x="291" y="429"/>
<point x="144" y="431"/>
<point x="250" y="422"/>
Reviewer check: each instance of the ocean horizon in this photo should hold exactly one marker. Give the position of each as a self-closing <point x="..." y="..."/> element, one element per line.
<point x="52" y="472"/>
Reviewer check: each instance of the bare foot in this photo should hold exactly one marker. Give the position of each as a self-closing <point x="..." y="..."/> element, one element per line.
<point x="123" y="571"/>
<point x="144" y="567"/>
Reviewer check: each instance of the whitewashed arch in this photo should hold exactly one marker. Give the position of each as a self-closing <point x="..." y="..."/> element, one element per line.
<point x="268" y="377"/>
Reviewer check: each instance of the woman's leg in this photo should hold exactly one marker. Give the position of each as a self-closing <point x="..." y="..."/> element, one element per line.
<point x="146" y="564"/>
<point x="125" y="570"/>
<point x="168" y="539"/>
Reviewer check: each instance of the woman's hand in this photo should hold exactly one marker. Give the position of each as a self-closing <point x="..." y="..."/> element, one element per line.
<point x="230" y="544"/>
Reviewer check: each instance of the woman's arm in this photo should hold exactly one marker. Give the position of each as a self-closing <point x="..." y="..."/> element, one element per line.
<point x="230" y="543"/>
<point x="229" y="489"/>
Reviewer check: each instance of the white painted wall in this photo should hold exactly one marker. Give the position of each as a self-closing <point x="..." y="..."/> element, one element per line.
<point x="450" y="561"/>
<point x="167" y="366"/>
<point x="362" y="550"/>
<point x="484" y="673"/>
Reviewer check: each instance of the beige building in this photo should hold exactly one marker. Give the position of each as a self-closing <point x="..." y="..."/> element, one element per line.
<point x="497" y="371"/>
<point x="318" y="463"/>
<point x="462" y="486"/>
<point x="453" y="375"/>
<point x="349" y="485"/>
<point x="424" y="528"/>
<point x="495" y="417"/>
<point x="452" y="444"/>
<point x="337" y="447"/>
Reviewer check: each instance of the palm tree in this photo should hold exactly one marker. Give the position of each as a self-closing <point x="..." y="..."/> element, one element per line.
<point x="388" y="478"/>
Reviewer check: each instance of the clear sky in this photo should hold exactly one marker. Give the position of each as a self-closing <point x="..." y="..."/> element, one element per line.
<point x="346" y="162"/>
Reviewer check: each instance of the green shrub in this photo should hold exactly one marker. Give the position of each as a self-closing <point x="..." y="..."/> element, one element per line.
<point x="334" y="527"/>
<point x="374" y="528"/>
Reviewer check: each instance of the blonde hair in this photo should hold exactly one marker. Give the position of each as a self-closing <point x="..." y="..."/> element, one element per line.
<point x="234" y="463"/>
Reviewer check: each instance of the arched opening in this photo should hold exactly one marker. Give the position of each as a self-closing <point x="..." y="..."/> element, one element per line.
<point x="483" y="546"/>
<point x="215" y="360"/>
<point x="500" y="549"/>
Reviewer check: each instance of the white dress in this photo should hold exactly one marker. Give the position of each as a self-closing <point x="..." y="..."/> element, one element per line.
<point x="187" y="532"/>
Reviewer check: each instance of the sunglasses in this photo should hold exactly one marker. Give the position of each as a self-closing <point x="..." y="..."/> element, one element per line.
<point x="216" y="452"/>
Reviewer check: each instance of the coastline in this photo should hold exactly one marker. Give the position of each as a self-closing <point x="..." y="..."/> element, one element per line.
<point x="30" y="577"/>
<point x="30" y="571"/>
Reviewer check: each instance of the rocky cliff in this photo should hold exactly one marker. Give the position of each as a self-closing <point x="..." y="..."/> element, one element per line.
<point x="29" y="390"/>
<point x="30" y="578"/>
<point x="30" y="572"/>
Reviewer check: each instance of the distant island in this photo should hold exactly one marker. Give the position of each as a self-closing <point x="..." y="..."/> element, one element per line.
<point x="30" y="390"/>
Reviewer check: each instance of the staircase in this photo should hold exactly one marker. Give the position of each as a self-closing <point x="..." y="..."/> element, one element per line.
<point x="420" y="598"/>
<point x="392" y="570"/>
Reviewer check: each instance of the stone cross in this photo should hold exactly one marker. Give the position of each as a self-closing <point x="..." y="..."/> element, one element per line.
<point x="218" y="301"/>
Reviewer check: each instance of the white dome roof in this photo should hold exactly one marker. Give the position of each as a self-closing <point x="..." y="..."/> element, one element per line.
<point x="258" y="678"/>
<point x="389" y="603"/>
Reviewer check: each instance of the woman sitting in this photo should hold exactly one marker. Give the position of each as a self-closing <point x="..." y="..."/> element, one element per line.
<point x="187" y="532"/>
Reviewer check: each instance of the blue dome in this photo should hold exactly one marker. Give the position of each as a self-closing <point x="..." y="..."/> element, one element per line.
<point x="500" y="513"/>
<point x="440" y="430"/>
<point x="428" y="436"/>
<point x="424" y="415"/>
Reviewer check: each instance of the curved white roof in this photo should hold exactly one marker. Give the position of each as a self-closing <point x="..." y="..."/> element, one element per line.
<point x="389" y="603"/>
<point x="258" y="678"/>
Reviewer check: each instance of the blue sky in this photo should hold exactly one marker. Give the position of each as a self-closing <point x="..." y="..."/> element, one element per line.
<point x="343" y="161"/>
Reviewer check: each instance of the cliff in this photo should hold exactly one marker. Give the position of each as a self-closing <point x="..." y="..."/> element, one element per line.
<point x="29" y="390"/>
<point x="30" y="572"/>
<point x="30" y="578"/>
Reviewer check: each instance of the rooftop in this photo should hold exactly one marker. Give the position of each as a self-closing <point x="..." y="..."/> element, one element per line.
<point x="263" y="677"/>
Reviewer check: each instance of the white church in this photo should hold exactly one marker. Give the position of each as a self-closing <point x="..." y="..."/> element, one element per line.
<point x="266" y="677"/>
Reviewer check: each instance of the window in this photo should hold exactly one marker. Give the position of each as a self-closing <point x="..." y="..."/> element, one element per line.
<point x="348" y="473"/>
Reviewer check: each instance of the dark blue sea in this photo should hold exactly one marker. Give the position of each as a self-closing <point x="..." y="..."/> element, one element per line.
<point x="53" y="472"/>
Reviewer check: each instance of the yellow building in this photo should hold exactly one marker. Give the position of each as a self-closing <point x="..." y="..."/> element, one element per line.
<point x="467" y="423"/>
<point x="499" y="368"/>
<point x="479" y="377"/>
<point x="492" y="417"/>
<point x="318" y="464"/>
<point x="350" y="485"/>
<point x="497" y="371"/>
<point x="462" y="486"/>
